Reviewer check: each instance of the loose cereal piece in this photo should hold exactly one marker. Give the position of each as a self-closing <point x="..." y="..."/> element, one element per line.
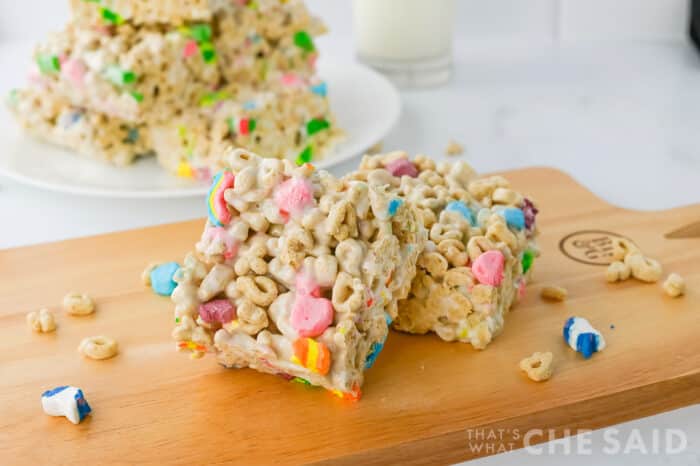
<point x="41" y="321"/>
<point x="99" y="347"/>
<point x="78" y="304"/>
<point x="66" y="401"/>
<point x="454" y="148"/>
<point x="301" y="277"/>
<point x="538" y="366"/>
<point x="674" y="286"/>
<point x="554" y="293"/>
<point x="582" y="337"/>
<point x="146" y="274"/>
<point x="480" y="251"/>
<point x="617" y="272"/>
<point x="644" y="268"/>
<point x="622" y="247"/>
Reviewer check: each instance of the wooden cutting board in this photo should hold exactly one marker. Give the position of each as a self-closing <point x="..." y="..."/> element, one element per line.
<point x="423" y="401"/>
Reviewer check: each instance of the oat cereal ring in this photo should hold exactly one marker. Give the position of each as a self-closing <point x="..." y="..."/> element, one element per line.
<point x="424" y="163"/>
<point x="246" y="180"/>
<point x="350" y="254"/>
<point x="381" y="177"/>
<point x="421" y="285"/>
<point x="498" y="232"/>
<point x="506" y="196"/>
<point x="99" y="347"/>
<point x="251" y="318"/>
<point x="477" y="245"/>
<point x="440" y="232"/>
<point x="348" y="293"/>
<point x="643" y="268"/>
<point x="459" y="277"/>
<point x="183" y="331"/>
<point x="617" y="272"/>
<point x="342" y="221"/>
<point x="454" y="252"/>
<point x="41" y="321"/>
<point x="554" y="293"/>
<point x="325" y="268"/>
<point x="434" y="263"/>
<point x="622" y="247"/>
<point x="484" y="187"/>
<point x="260" y="290"/>
<point x="78" y="304"/>
<point x="538" y="366"/>
<point x="674" y="286"/>
<point x="215" y="282"/>
<point x="239" y="159"/>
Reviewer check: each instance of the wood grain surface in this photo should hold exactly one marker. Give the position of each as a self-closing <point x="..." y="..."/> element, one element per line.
<point x="423" y="400"/>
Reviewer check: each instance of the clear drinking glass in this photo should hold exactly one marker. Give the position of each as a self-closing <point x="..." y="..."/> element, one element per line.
<point x="410" y="41"/>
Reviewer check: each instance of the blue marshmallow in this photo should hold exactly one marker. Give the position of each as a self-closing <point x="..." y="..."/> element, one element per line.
<point x="515" y="218"/>
<point x="162" y="281"/>
<point x="320" y="89"/>
<point x="582" y="337"/>
<point x="394" y="205"/>
<point x="462" y="208"/>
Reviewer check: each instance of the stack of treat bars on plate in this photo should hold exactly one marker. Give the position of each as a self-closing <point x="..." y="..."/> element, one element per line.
<point x="301" y="274"/>
<point x="181" y="80"/>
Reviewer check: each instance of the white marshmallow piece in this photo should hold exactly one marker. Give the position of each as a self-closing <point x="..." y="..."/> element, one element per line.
<point x="65" y="401"/>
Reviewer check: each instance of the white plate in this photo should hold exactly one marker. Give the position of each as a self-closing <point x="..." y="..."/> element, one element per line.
<point x="365" y="103"/>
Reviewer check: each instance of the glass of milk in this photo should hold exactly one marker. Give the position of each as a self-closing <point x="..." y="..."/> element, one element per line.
<point x="408" y="40"/>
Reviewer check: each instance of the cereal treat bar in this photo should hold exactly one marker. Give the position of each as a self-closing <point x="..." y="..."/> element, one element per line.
<point x="297" y="273"/>
<point x="150" y="73"/>
<point x="480" y="249"/>
<point x="142" y="11"/>
<point x="272" y="38"/>
<point x="53" y="120"/>
<point x="292" y="122"/>
<point x="134" y="75"/>
<point x="277" y="16"/>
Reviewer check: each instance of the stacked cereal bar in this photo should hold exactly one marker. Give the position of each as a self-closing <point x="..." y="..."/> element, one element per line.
<point x="137" y="75"/>
<point x="294" y="122"/>
<point x="92" y="134"/>
<point x="480" y="249"/>
<point x="240" y="73"/>
<point x="297" y="273"/>
<point x="142" y="11"/>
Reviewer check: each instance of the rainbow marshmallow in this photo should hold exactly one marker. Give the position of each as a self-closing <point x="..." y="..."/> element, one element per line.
<point x="219" y="215"/>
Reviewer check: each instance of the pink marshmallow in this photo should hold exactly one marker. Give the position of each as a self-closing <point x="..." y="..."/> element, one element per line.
<point x="219" y="310"/>
<point x="191" y="48"/>
<point x="311" y="316"/>
<point x="74" y="70"/>
<point x="401" y="167"/>
<point x="488" y="268"/>
<point x="293" y="196"/>
<point x="291" y="80"/>
<point x="220" y="234"/>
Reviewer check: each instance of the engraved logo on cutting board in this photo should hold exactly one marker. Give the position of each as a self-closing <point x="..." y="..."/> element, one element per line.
<point x="592" y="247"/>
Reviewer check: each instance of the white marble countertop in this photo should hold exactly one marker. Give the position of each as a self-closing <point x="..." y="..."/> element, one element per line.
<point x="622" y="119"/>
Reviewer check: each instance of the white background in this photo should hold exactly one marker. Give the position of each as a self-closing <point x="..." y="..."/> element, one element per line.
<point x="607" y="90"/>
